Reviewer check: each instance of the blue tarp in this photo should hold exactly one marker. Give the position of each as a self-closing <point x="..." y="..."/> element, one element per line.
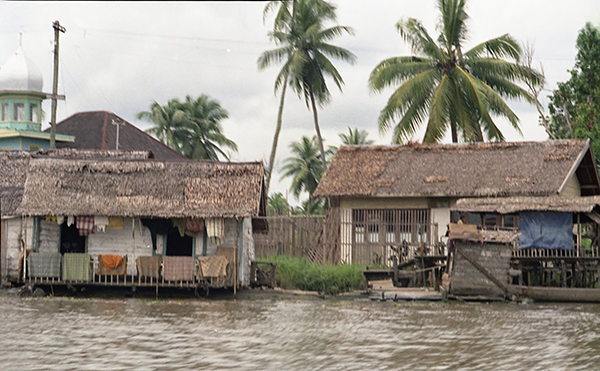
<point x="546" y="230"/>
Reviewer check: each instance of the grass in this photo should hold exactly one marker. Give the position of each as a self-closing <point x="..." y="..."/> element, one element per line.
<point x="301" y="274"/>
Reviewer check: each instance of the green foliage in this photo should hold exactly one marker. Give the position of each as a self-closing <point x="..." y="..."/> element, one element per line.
<point x="277" y="205"/>
<point x="305" y="168"/>
<point x="301" y="274"/>
<point x="192" y="128"/>
<point x="449" y="88"/>
<point x="356" y="138"/>
<point x="303" y="37"/>
<point x="575" y="106"/>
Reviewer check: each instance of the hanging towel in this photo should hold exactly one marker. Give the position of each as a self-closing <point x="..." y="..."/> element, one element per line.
<point x="194" y="225"/>
<point x="101" y="222"/>
<point x="70" y="220"/>
<point x="60" y="219"/>
<point x="214" y="229"/>
<point x="212" y="266"/>
<point x="44" y="265"/>
<point x="148" y="266"/>
<point x="50" y="218"/>
<point x="112" y="265"/>
<point x="115" y="222"/>
<point x="85" y="225"/>
<point x="178" y="268"/>
<point x="180" y="225"/>
<point x="76" y="267"/>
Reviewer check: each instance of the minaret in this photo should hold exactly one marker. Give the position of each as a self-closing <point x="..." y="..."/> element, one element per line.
<point x="21" y="96"/>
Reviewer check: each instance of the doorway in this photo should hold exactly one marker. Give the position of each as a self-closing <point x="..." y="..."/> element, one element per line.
<point x="70" y="240"/>
<point x="177" y="245"/>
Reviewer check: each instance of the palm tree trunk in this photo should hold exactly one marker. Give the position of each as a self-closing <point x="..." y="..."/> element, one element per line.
<point x="276" y="137"/>
<point x="308" y="204"/>
<point x="319" y="137"/>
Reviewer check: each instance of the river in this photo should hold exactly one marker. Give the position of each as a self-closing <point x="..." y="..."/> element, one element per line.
<point x="273" y="333"/>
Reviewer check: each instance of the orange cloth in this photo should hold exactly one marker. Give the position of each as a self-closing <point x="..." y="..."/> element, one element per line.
<point x="111" y="261"/>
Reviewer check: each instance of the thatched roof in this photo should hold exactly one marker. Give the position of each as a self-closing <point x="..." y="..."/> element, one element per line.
<point x="14" y="166"/>
<point x="95" y="130"/>
<point x="94" y="153"/>
<point x="508" y="205"/>
<point x="464" y="170"/>
<point x="142" y="188"/>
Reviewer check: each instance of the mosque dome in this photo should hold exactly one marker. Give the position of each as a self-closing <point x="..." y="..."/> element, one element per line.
<point x="21" y="74"/>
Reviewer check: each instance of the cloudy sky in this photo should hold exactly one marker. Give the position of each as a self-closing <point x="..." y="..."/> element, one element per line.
<point x="121" y="57"/>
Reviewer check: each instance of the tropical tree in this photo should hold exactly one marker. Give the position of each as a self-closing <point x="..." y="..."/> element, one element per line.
<point x="202" y="136"/>
<point x="448" y="87"/>
<point x="302" y="38"/>
<point x="355" y="138"/>
<point x="575" y="106"/>
<point x="304" y="167"/>
<point x="192" y="128"/>
<point x="277" y="205"/>
<point x="167" y="119"/>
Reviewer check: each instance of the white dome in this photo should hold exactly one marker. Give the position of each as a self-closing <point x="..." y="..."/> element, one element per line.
<point x="20" y="73"/>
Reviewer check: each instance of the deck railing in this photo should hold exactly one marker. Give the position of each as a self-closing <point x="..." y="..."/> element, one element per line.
<point x="131" y="278"/>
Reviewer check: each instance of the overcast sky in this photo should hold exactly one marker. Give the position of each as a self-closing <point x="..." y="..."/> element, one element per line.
<point x="121" y="57"/>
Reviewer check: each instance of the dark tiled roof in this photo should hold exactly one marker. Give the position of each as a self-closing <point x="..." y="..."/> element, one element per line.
<point x="463" y="170"/>
<point x="94" y="130"/>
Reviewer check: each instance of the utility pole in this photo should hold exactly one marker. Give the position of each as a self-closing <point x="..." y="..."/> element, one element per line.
<point x="57" y="30"/>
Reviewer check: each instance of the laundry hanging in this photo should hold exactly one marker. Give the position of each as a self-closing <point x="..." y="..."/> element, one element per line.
<point x="215" y="229"/>
<point x="70" y="220"/>
<point x="194" y="225"/>
<point x="101" y="222"/>
<point x="180" y="225"/>
<point x="85" y="225"/>
<point x="115" y="222"/>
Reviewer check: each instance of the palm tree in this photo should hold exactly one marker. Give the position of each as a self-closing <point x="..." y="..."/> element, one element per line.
<point x="451" y="88"/>
<point x="299" y="31"/>
<point x="277" y="205"/>
<point x="202" y="136"/>
<point x="167" y="119"/>
<point x="305" y="167"/>
<point x="356" y="138"/>
<point x="192" y="128"/>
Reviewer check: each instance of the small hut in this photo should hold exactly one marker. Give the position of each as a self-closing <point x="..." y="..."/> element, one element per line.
<point x="555" y="256"/>
<point x="128" y="218"/>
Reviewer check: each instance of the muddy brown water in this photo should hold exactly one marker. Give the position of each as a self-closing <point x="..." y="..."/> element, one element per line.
<point x="268" y="333"/>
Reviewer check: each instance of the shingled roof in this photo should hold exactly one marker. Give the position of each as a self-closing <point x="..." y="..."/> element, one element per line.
<point x="94" y="130"/>
<point x="142" y="188"/>
<point x="463" y="170"/>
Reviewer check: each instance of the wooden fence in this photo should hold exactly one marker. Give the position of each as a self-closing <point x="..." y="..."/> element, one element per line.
<point x="294" y="236"/>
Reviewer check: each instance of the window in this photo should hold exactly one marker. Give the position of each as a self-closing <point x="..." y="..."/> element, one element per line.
<point x="19" y="112"/>
<point x="34" y="147"/>
<point x="33" y="112"/>
<point x="4" y="111"/>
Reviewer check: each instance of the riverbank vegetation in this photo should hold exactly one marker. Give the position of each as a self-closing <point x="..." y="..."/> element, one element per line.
<point x="301" y="274"/>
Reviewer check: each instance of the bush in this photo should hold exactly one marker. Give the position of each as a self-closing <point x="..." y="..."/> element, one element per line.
<point x="301" y="274"/>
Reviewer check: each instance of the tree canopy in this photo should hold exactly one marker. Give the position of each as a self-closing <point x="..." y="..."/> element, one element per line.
<point x="192" y="128"/>
<point x="575" y="105"/>
<point x="448" y="88"/>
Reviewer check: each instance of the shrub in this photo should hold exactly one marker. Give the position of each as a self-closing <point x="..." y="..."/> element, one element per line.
<point x="301" y="274"/>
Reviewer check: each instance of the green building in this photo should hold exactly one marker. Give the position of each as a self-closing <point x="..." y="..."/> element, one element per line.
<point x="21" y="97"/>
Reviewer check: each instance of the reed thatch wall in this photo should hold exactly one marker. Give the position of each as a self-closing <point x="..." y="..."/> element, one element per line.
<point x="141" y="188"/>
<point x="465" y="170"/>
